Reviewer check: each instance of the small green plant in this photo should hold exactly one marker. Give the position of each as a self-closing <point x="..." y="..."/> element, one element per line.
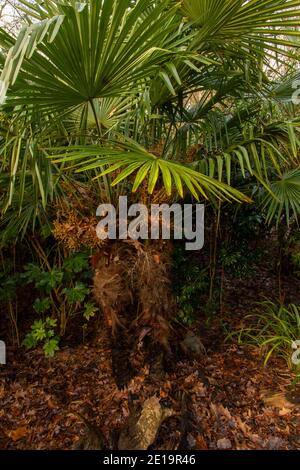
<point x="238" y="260"/>
<point x="274" y="330"/>
<point x="189" y="286"/>
<point x="90" y="310"/>
<point x="76" y="294"/>
<point x="43" y="331"/>
<point x="43" y="280"/>
<point x="42" y="305"/>
<point x="60" y="297"/>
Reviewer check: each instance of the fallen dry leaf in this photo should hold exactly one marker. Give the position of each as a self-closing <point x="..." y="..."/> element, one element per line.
<point x="278" y="400"/>
<point x="285" y="411"/>
<point x="18" y="434"/>
<point x="243" y="426"/>
<point x="201" y="443"/>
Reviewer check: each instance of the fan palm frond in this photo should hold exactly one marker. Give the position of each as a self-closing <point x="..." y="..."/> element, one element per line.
<point x="284" y="198"/>
<point x="136" y="159"/>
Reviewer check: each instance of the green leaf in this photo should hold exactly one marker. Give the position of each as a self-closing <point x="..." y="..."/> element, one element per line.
<point x="141" y="175"/>
<point x="153" y="177"/>
<point x="51" y="347"/>
<point x="90" y="310"/>
<point x="77" y="293"/>
<point x="174" y="72"/>
<point x="76" y="263"/>
<point x="167" y="82"/>
<point x="30" y="341"/>
<point x="42" y="305"/>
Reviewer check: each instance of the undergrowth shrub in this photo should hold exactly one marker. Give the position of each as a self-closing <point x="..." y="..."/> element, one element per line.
<point x="274" y="329"/>
<point x="190" y="282"/>
<point x="62" y="292"/>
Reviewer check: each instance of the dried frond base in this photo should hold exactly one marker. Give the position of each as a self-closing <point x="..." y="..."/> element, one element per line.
<point x="75" y="231"/>
<point x="132" y="286"/>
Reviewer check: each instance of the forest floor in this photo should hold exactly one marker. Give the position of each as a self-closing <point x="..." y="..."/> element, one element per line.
<point x="233" y="401"/>
<point x="225" y="399"/>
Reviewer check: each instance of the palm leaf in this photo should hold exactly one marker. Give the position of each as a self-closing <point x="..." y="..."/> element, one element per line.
<point x="284" y="198"/>
<point x="86" y="51"/>
<point x="135" y="158"/>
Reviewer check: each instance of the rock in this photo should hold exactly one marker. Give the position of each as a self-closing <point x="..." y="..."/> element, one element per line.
<point x="192" y="345"/>
<point x="274" y="443"/>
<point x="224" y="444"/>
<point x="142" y="429"/>
<point x="191" y="441"/>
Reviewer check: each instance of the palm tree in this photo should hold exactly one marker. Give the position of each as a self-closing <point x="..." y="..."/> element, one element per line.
<point x="147" y="95"/>
<point x="70" y="56"/>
